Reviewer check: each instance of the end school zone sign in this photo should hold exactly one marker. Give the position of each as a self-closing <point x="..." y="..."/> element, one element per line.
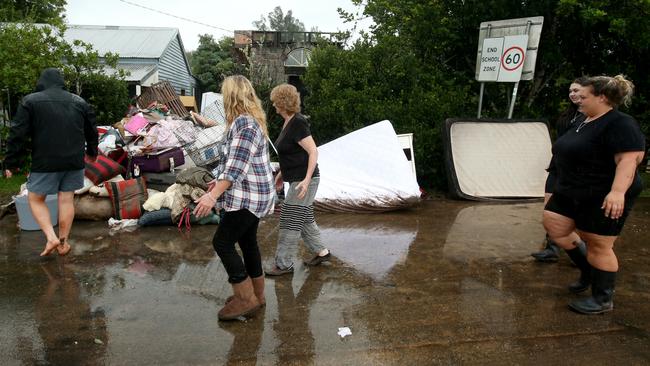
<point x="502" y="59"/>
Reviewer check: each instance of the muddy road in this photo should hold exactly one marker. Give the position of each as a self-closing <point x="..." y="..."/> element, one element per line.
<point x="447" y="282"/>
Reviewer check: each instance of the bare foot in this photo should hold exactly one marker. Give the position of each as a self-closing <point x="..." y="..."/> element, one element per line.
<point x="63" y="248"/>
<point x="49" y="247"/>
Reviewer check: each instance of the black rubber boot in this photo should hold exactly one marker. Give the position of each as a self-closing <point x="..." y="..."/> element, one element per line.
<point x="602" y="294"/>
<point x="583" y="249"/>
<point x="549" y="254"/>
<point x="579" y="257"/>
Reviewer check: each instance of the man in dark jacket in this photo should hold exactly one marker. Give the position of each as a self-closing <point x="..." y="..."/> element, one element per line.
<point x="60" y="126"/>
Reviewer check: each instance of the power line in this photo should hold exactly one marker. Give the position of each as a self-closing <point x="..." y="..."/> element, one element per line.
<point x="176" y="16"/>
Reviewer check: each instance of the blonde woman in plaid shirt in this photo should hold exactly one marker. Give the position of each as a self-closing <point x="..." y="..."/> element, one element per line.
<point x="244" y="190"/>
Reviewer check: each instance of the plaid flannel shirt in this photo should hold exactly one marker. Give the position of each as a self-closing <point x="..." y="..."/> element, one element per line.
<point x="245" y="162"/>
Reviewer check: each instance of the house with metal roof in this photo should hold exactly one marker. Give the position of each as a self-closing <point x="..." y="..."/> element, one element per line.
<point x="150" y="54"/>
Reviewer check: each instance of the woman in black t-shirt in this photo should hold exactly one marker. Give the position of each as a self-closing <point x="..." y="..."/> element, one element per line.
<point x="299" y="166"/>
<point x="597" y="184"/>
<point x="570" y="117"/>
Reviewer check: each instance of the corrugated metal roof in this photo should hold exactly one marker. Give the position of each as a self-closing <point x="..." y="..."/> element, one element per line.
<point x="138" y="71"/>
<point x="128" y="42"/>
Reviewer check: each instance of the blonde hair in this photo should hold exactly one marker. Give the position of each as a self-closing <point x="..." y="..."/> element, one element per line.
<point x="239" y="98"/>
<point x="286" y="98"/>
<point x="618" y="90"/>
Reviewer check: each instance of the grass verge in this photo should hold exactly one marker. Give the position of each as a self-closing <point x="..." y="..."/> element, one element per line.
<point x="10" y="187"/>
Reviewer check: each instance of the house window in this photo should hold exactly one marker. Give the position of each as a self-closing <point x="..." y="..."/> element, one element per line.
<point x="182" y="91"/>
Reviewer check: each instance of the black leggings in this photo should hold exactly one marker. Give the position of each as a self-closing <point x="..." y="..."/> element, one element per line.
<point x="238" y="227"/>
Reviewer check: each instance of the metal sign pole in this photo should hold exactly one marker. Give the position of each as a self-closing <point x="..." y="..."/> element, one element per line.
<point x="516" y="87"/>
<point x="480" y="100"/>
<point x="480" y="97"/>
<point x="512" y="102"/>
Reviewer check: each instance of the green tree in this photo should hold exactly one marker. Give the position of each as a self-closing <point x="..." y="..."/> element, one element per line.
<point x="213" y="61"/>
<point x="109" y="96"/>
<point x="27" y="49"/>
<point x="41" y="11"/>
<point x="82" y="60"/>
<point x="279" y="21"/>
<point x="416" y="66"/>
<point x="368" y="83"/>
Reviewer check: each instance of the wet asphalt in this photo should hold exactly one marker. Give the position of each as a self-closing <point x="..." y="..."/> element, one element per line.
<point x="447" y="282"/>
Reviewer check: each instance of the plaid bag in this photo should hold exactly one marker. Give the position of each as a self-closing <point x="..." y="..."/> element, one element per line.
<point x="102" y="169"/>
<point x="127" y="198"/>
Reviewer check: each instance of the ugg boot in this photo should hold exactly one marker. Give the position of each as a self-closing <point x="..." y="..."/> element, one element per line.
<point x="579" y="257"/>
<point x="258" y="288"/>
<point x="549" y="253"/>
<point x="602" y="294"/>
<point x="243" y="303"/>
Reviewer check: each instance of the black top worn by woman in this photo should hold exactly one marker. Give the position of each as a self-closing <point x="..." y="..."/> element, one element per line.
<point x="293" y="158"/>
<point x="584" y="156"/>
<point x="569" y="118"/>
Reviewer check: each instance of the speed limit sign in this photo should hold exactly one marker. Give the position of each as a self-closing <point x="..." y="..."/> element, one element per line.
<point x="513" y="57"/>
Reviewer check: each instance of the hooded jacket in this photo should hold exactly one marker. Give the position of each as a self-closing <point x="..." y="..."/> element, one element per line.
<point x="59" y="125"/>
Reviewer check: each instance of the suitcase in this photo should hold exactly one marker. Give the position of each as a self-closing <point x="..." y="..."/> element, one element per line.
<point x="160" y="181"/>
<point x="158" y="161"/>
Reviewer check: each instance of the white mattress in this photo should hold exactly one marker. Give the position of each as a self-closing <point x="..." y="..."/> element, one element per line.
<point x="500" y="159"/>
<point x="365" y="170"/>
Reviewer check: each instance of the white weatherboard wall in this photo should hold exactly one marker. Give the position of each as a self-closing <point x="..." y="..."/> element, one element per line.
<point x="493" y="159"/>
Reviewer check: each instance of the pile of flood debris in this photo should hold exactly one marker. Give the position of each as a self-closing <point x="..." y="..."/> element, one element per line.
<point x="160" y="157"/>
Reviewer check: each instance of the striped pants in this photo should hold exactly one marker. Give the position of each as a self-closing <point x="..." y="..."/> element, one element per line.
<point x="296" y="221"/>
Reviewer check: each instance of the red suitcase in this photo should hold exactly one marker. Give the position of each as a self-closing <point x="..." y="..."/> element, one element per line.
<point x="158" y="161"/>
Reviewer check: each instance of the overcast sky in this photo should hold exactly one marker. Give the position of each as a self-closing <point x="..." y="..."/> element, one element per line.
<point x="228" y="15"/>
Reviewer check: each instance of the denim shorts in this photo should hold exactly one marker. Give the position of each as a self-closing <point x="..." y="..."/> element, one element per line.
<point x="54" y="182"/>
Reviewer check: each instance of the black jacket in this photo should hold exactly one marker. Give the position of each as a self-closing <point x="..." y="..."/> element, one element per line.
<point x="59" y="125"/>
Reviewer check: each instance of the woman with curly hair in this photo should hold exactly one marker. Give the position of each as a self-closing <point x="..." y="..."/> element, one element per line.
<point x="597" y="184"/>
<point x="299" y="166"/>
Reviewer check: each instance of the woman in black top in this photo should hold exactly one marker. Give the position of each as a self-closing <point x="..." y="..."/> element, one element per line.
<point x="570" y="117"/>
<point x="299" y="166"/>
<point x="597" y="184"/>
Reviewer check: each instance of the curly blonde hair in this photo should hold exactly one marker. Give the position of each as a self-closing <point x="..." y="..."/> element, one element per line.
<point x="239" y="98"/>
<point x="286" y="98"/>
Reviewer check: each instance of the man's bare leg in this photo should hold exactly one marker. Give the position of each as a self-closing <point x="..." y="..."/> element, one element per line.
<point x="42" y="216"/>
<point x="66" y="217"/>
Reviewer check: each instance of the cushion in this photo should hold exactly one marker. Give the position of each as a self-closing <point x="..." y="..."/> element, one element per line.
<point x="102" y="169"/>
<point x="87" y="207"/>
<point x="127" y="198"/>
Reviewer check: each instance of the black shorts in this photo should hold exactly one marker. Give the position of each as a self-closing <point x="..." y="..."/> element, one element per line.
<point x="550" y="183"/>
<point x="588" y="214"/>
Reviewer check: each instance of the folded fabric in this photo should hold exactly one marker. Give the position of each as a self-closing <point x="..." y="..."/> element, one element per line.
<point x="195" y="177"/>
<point x="102" y="169"/>
<point x="162" y="217"/>
<point x="154" y="202"/>
<point x="163" y="137"/>
<point x="127" y="197"/>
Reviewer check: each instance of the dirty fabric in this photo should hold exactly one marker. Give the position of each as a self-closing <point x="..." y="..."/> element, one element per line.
<point x="195" y="177"/>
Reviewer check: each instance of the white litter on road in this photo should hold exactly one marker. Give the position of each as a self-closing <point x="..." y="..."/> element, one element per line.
<point x="345" y="331"/>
